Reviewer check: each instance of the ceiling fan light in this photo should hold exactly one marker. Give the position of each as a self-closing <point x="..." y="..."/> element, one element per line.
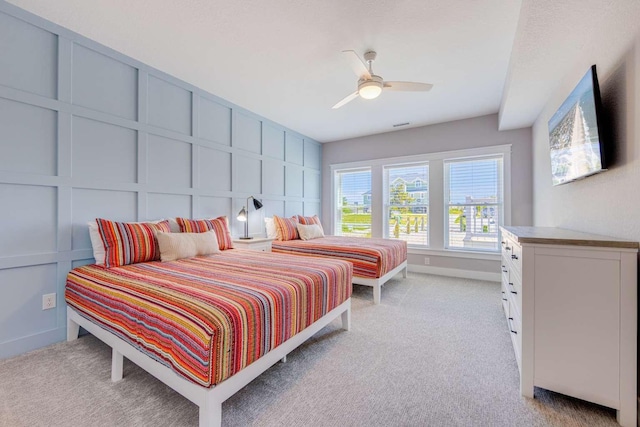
<point x="370" y="90"/>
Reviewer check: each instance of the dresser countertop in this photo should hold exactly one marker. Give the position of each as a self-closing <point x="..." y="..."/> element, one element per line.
<point x="560" y="236"/>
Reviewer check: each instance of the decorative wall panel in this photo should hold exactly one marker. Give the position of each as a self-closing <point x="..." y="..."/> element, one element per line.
<point x="168" y="162"/>
<point x="311" y="184"/>
<point x="293" y="184"/>
<point x="104" y="84"/>
<point x="29" y="59"/>
<point x="29" y="219"/>
<point x="215" y="169"/>
<point x="248" y="175"/>
<point x="160" y="205"/>
<point x="103" y="152"/>
<point x="273" y="143"/>
<point x="248" y="133"/>
<point x="215" y="122"/>
<point x="87" y="132"/>
<point x="28" y="138"/>
<point x="273" y="173"/>
<point x="294" y="149"/>
<point x="169" y="106"/>
<point x="26" y="285"/>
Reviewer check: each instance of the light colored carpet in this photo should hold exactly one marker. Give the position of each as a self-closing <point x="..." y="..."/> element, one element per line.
<point x="436" y="352"/>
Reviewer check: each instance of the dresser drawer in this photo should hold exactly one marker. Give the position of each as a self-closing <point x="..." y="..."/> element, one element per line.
<point x="511" y="255"/>
<point x="515" y="324"/>
<point x="505" y="299"/>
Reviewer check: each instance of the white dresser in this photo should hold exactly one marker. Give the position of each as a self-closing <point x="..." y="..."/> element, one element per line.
<point x="570" y="299"/>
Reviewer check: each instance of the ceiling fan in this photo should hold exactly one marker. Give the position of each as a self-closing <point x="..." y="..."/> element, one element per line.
<point x="369" y="85"/>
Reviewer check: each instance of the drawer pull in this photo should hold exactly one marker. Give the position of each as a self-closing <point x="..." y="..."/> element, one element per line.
<point x="507" y="248"/>
<point x="514" y="256"/>
<point x="514" y="292"/>
<point x="504" y="271"/>
<point x="511" y="327"/>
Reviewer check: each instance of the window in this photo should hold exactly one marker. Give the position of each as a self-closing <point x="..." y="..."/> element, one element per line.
<point x="473" y="203"/>
<point x="449" y="204"/>
<point x="353" y="203"/>
<point x="407" y="203"/>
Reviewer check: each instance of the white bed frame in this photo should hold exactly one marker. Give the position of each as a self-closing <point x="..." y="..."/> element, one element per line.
<point x="376" y="284"/>
<point x="209" y="400"/>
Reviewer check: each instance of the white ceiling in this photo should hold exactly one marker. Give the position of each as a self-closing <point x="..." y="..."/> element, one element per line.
<point x="282" y="58"/>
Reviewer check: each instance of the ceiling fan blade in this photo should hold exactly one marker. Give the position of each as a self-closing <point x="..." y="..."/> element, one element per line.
<point x="359" y="67"/>
<point x="408" y="86"/>
<point x="346" y="100"/>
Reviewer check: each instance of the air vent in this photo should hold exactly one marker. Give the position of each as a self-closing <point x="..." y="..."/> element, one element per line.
<point x="397" y="125"/>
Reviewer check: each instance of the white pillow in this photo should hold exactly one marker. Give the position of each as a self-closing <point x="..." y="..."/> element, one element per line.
<point x="272" y="232"/>
<point x="98" y="245"/>
<point x="96" y="242"/>
<point x="311" y="231"/>
<point x="175" y="246"/>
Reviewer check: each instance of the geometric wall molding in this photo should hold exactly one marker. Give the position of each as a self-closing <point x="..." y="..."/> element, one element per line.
<point x="87" y="132"/>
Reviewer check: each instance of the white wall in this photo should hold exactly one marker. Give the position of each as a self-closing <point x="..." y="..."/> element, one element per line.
<point x="457" y="135"/>
<point x="607" y="203"/>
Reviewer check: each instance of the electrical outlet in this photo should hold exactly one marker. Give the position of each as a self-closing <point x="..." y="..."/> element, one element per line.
<point x="48" y="301"/>
<point x="427" y="261"/>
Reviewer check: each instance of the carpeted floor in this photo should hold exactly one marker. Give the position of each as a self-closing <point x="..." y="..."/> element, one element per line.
<point x="436" y="352"/>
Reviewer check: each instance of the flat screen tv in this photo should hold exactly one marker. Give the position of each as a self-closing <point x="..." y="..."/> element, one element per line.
<point x="576" y="133"/>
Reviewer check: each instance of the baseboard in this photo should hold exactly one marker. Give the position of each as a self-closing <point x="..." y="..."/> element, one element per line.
<point x="455" y="272"/>
<point x="22" y="345"/>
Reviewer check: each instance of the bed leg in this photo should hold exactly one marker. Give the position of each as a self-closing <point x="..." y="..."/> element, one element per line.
<point x="404" y="273"/>
<point x="284" y="359"/>
<point x="210" y="414"/>
<point x="346" y="319"/>
<point x="116" y="365"/>
<point x="377" y="294"/>
<point x="73" y="329"/>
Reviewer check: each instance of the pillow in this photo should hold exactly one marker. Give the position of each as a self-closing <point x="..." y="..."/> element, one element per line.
<point x="175" y="246"/>
<point x="96" y="239"/>
<point x="272" y="232"/>
<point x="130" y="242"/>
<point x="308" y="232"/>
<point x="96" y="242"/>
<point x="286" y="227"/>
<point x="308" y="220"/>
<point x="220" y="225"/>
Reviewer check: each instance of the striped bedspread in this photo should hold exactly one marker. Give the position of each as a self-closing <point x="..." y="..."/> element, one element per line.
<point x="208" y="317"/>
<point x="371" y="258"/>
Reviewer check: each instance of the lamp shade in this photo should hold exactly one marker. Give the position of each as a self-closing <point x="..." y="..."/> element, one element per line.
<point x="242" y="215"/>
<point x="257" y="204"/>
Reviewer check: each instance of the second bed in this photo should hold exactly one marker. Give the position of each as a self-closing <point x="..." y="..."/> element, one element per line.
<point x="375" y="261"/>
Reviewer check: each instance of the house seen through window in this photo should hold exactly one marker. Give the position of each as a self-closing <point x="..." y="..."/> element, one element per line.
<point x="407" y="203"/>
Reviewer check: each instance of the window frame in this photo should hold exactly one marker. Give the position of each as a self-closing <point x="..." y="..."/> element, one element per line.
<point x="436" y="194"/>
<point x="446" y="205"/>
<point x="334" y="213"/>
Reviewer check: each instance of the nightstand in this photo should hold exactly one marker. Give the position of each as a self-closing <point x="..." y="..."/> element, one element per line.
<point x="260" y="244"/>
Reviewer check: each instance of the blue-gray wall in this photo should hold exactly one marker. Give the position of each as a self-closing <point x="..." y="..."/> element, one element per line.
<point x="87" y="132"/>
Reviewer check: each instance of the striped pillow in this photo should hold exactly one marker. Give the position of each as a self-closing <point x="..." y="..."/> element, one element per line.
<point x="220" y="225"/>
<point x="287" y="228"/>
<point x="130" y="242"/>
<point x="309" y="220"/>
